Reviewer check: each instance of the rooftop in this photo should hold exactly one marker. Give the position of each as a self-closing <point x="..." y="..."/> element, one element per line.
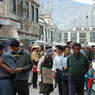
<point x="35" y="2"/>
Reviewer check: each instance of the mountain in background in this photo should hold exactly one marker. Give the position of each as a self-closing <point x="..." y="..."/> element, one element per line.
<point x="70" y="13"/>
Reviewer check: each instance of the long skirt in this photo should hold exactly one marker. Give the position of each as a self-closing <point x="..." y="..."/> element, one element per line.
<point x="45" y="88"/>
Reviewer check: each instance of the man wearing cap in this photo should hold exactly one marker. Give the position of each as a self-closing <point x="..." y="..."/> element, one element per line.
<point x="23" y="63"/>
<point x="7" y="70"/>
<point x="35" y="59"/>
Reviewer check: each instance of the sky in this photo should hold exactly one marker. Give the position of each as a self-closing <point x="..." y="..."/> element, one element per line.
<point x="70" y="13"/>
<point x="84" y="1"/>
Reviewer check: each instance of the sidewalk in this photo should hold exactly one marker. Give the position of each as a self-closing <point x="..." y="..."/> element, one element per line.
<point x="36" y="91"/>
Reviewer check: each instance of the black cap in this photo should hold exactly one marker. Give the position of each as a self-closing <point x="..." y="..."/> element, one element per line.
<point x="14" y="42"/>
<point x="48" y="47"/>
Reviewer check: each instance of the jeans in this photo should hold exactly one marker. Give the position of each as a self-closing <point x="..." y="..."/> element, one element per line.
<point x="59" y="81"/>
<point x="6" y="87"/>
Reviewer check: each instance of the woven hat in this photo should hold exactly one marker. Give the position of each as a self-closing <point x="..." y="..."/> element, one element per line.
<point x="35" y="46"/>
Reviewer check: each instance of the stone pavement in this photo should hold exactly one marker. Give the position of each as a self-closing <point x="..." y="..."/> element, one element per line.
<point x="36" y="91"/>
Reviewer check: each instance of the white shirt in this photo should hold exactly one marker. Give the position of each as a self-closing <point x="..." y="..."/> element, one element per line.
<point x="64" y="62"/>
<point x="40" y="62"/>
<point x="57" y="64"/>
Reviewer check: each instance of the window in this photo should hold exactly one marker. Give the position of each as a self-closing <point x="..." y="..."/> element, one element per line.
<point x="66" y="35"/>
<point x="20" y="9"/>
<point x="26" y="10"/>
<point x="41" y="29"/>
<point x="74" y="37"/>
<point x="37" y="14"/>
<point x="0" y="26"/>
<point x="86" y="28"/>
<point x="13" y="6"/>
<point x="32" y="12"/>
<point x="82" y="35"/>
<point x="92" y="36"/>
<point x="51" y="36"/>
<point x="46" y="34"/>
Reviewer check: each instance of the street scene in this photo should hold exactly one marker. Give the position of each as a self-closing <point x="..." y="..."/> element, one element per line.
<point x="47" y="47"/>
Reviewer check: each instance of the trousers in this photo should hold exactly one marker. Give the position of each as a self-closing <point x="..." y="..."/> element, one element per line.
<point x="21" y="87"/>
<point x="5" y="87"/>
<point x="76" y="86"/>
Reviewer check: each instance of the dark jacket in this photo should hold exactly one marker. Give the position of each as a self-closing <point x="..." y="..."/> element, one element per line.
<point x="77" y="66"/>
<point x="23" y="60"/>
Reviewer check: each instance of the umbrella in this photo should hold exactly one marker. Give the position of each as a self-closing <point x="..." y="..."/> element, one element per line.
<point x="90" y="81"/>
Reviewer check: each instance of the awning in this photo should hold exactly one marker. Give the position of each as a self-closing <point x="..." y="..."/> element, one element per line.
<point x="7" y="21"/>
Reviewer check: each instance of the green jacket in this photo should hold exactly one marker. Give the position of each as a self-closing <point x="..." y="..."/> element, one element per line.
<point x="77" y="66"/>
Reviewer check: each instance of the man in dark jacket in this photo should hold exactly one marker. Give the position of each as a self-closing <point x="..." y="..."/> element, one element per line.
<point x="23" y="63"/>
<point x="77" y="68"/>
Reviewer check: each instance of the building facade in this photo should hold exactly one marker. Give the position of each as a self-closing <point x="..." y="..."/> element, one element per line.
<point x="8" y="21"/>
<point x="23" y="16"/>
<point x="48" y="31"/>
<point x="80" y="35"/>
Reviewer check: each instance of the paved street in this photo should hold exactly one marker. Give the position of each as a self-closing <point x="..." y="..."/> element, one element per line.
<point x="36" y="91"/>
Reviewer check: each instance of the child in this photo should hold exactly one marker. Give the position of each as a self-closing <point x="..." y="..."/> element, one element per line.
<point x="89" y="77"/>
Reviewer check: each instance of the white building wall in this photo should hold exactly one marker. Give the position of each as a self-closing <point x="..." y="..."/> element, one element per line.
<point x="88" y="36"/>
<point x="78" y="37"/>
<point x="69" y="36"/>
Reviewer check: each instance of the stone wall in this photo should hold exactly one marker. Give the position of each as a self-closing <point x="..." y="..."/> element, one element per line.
<point x="2" y="8"/>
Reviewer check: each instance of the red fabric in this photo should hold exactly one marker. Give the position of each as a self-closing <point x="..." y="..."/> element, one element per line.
<point x="90" y="82"/>
<point x="34" y="69"/>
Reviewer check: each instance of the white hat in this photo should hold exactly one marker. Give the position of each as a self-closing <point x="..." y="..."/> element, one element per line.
<point x="35" y="46"/>
<point x="54" y="48"/>
<point x="21" y="44"/>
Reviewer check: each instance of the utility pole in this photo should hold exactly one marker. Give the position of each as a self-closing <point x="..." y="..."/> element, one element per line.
<point x="86" y="22"/>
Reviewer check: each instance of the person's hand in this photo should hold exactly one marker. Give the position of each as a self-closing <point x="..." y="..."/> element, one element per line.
<point x="19" y="69"/>
<point x="1" y="61"/>
<point x="90" y="65"/>
<point x="36" y="60"/>
<point x="54" y="75"/>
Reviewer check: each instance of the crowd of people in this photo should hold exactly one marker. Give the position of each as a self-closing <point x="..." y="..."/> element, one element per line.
<point x="65" y="66"/>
